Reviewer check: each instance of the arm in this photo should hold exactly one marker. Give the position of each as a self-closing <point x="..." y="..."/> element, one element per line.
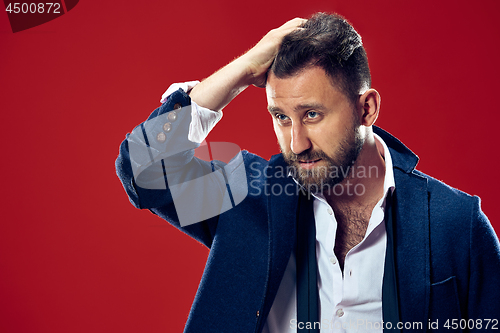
<point x="156" y="163"/>
<point x="152" y="148"/>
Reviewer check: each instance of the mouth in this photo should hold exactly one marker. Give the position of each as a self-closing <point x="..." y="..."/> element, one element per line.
<point x="309" y="164"/>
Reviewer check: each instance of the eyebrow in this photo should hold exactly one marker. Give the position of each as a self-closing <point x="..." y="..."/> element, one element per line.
<point x="300" y="107"/>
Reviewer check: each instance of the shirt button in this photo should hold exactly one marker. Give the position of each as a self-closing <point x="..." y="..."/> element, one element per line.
<point x="333" y="260"/>
<point x="350" y="272"/>
<point x="167" y="127"/>
<point x="172" y="116"/>
<point x="330" y="211"/>
<point x="161" y="137"/>
<point x="340" y="313"/>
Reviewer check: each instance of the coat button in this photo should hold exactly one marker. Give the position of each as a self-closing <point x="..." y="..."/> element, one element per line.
<point x="161" y="137"/>
<point x="172" y="116"/>
<point x="258" y="313"/>
<point x="167" y="127"/>
<point x="177" y="106"/>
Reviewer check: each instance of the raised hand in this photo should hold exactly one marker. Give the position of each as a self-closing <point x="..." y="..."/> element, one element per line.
<point x="220" y="88"/>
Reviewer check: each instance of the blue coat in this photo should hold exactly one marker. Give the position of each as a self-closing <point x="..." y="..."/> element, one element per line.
<point x="447" y="254"/>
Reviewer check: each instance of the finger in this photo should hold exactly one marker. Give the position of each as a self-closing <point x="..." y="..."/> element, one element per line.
<point x="290" y="26"/>
<point x="294" y="23"/>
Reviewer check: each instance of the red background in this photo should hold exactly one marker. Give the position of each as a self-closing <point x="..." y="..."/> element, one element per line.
<point x="75" y="256"/>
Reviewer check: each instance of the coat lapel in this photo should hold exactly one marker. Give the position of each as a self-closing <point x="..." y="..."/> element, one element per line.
<point x="282" y="214"/>
<point x="411" y="233"/>
<point x="412" y="246"/>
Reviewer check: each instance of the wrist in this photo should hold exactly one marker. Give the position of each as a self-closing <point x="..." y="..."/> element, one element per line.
<point x="243" y="71"/>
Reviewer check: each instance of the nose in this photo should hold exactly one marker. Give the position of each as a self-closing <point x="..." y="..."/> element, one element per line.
<point x="300" y="140"/>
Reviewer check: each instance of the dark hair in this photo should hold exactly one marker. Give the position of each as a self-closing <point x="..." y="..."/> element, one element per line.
<point x="330" y="42"/>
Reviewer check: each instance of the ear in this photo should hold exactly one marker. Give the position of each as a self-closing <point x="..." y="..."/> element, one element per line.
<point x="369" y="106"/>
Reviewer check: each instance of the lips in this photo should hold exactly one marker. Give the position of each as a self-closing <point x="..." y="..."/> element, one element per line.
<point x="309" y="164"/>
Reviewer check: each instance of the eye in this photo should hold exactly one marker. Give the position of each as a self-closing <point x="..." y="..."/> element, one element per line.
<point x="281" y="117"/>
<point x="312" y="115"/>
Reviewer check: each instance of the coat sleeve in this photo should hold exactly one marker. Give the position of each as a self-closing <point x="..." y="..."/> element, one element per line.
<point x="159" y="172"/>
<point x="484" y="288"/>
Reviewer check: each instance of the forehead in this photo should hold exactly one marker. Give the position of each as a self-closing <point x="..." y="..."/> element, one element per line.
<point x="309" y="86"/>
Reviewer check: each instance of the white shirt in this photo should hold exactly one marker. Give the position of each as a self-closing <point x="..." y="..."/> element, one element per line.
<point x="349" y="303"/>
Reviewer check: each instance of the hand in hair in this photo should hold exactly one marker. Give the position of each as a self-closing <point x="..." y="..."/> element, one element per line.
<point x="261" y="56"/>
<point x="220" y="88"/>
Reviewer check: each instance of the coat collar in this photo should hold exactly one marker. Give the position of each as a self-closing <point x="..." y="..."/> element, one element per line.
<point x="402" y="157"/>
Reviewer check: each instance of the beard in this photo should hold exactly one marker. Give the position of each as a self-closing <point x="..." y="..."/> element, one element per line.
<point x="334" y="169"/>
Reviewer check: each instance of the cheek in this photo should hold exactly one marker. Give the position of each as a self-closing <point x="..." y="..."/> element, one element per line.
<point x="322" y="135"/>
<point x="330" y="130"/>
<point x="283" y="137"/>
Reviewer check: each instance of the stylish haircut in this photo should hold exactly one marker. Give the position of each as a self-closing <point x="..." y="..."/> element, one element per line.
<point x="330" y="42"/>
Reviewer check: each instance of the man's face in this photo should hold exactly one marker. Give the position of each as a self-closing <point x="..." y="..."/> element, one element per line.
<point x="317" y="127"/>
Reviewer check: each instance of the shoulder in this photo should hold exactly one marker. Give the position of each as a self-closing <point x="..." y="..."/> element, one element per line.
<point x="259" y="167"/>
<point x="438" y="190"/>
<point x="453" y="208"/>
<point x="445" y="199"/>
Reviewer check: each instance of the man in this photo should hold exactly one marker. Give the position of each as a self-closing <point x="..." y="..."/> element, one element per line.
<point x="340" y="232"/>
